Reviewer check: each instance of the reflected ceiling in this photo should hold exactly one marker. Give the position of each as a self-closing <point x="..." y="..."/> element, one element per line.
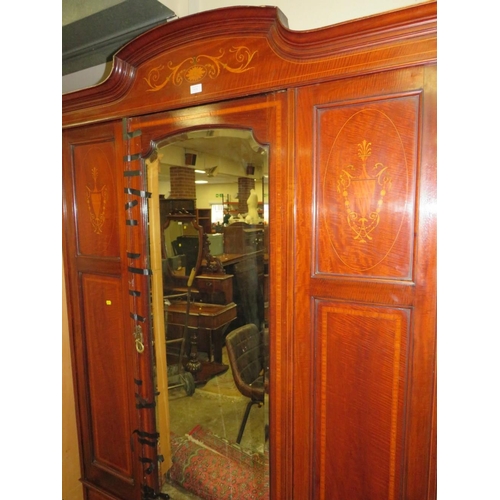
<point x="223" y="154"/>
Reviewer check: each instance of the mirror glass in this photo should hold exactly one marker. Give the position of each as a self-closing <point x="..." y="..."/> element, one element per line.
<point x="182" y="243"/>
<point x="212" y="186"/>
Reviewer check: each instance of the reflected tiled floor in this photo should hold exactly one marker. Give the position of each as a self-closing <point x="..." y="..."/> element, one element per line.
<point x="218" y="407"/>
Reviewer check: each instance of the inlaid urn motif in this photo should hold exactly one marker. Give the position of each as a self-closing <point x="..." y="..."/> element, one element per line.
<point x="96" y="202"/>
<point x="363" y="192"/>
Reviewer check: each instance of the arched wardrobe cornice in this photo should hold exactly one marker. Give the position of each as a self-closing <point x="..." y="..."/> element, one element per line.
<point x="272" y="57"/>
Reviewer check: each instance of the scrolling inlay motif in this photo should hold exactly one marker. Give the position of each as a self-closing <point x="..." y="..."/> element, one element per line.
<point x="96" y="202"/>
<point x="358" y="193"/>
<point x="194" y="69"/>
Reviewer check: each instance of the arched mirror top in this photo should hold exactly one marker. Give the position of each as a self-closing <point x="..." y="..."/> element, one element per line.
<point x="219" y="172"/>
<point x="227" y="152"/>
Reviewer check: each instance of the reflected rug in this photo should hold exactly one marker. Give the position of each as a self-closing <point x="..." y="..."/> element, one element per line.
<point x="214" y="469"/>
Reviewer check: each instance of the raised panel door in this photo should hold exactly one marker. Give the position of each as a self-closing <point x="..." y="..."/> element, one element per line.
<point x="365" y="297"/>
<point x="113" y="385"/>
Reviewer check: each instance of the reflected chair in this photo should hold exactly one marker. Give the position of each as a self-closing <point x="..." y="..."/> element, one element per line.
<point x="245" y="348"/>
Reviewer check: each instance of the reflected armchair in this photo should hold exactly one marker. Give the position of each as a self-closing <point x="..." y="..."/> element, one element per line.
<point x="246" y="351"/>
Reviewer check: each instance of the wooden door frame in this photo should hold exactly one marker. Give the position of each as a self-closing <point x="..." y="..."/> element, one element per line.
<point x="245" y="113"/>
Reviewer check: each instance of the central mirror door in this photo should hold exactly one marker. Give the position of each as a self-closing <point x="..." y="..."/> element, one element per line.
<point x="213" y="242"/>
<point x="214" y="220"/>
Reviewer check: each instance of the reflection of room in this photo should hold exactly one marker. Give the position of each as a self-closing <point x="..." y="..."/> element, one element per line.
<point x="202" y="176"/>
<point x="200" y="170"/>
<point x="224" y="166"/>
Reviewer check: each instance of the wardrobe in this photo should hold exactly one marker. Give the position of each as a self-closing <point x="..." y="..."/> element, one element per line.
<point x="348" y="113"/>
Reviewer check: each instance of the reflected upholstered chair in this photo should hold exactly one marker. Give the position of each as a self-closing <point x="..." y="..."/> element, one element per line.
<point x="245" y="349"/>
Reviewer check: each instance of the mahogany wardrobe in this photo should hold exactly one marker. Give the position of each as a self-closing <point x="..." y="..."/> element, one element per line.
<point x="348" y="114"/>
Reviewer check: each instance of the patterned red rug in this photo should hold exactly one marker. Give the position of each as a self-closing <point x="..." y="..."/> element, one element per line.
<point x="213" y="469"/>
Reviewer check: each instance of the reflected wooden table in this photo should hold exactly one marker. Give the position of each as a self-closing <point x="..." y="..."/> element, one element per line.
<point x="211" y="321"/>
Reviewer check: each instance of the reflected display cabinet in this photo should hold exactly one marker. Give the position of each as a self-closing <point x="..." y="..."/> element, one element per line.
<point x="349" y="115"/>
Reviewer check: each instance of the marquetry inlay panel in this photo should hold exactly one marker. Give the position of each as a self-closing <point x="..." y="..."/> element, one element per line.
<point x="360" y="400"/>
<point x="194" y="69"/>
<point x="367" y="154"/>
<point x="108" y="377"/>
<point x="96" y="199"/>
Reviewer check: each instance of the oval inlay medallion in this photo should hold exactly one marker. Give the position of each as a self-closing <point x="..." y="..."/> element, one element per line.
<point x="365" y="190"/>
